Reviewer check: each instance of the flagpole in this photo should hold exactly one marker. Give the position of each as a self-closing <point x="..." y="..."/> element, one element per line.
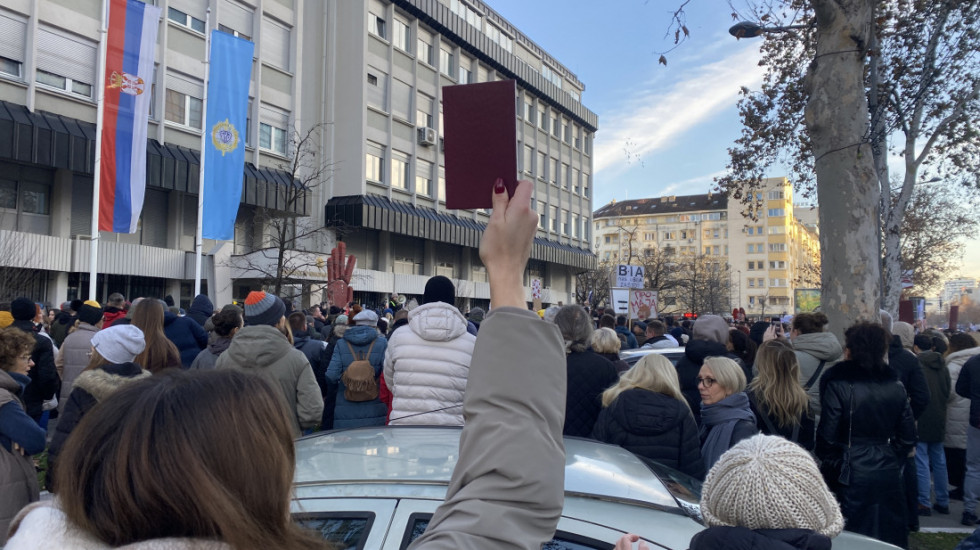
<point x="204" y="138"/>
<point x="97" y="175"/>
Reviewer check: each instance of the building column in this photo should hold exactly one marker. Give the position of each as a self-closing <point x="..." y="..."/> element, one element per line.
<point x="220" y="284"/>
<point x="57" y="291"/>
<point x="61" y="204"/>
<point x="429" y="258"/>
<point x="386" y="259"/>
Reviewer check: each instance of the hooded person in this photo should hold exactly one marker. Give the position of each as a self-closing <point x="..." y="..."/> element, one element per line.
<point x="709" y="338"/>
<point x="224" y="325"/>
<point x="76" y="350"/>
<point x="44" y="376"/>
<point x="361" y="342"/>
<point x="186" y="334"/>
<point x="115" y="309"/>
<point x="262" y="348"/>
<point x="427" y="363"/>
<point x="816" y="351"/>
<point x="201" y="309"/>
<point x="110" y="368"/>
<point x="63" y="322"/>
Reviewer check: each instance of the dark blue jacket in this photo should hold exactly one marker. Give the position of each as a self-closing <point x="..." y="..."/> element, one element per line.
<point x="742" y="538"/>
<point x="186" y="334"/>
<point x="364" y="413"/>
<point x="201" y="309"/>
<point x="45" y="381"/>
<point x="630" y="338"/>
<point x="15" y="425"/>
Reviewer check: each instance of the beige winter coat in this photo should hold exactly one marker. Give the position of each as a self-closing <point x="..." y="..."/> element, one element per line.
<point x="958" y="413"/>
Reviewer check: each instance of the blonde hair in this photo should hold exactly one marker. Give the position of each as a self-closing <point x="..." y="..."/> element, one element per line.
<point x="777" y="386"/>
<point x="653" y="372"/>
<point x="727" y="373"/>
<point x="605" y="340"/>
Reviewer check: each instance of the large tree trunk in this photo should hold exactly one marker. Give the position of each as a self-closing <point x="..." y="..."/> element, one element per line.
<point x="847" y="187"/>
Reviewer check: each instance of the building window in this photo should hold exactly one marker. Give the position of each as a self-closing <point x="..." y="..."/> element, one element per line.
<point x="576" y="177"/>
<point x="233" y="32"/>
<point x="500" y="38"/>
<point x="399" y="170"/>
<point x="553" y="213"/>
<point x="585" y="185"/>
<point x="553" y="171"/>
<point x="34" y="198"/>
<point x="376" y="25"/>
<point x="465" y="77"/>
<point x="776" y="212"/>
<point x="777" y="230"/>
<point x="777" y="247"/>
<point x="272" y="139"/>
<point x="529" y="111"/>
<point x="424" y="48"/>
<point x="576" y="226"/>
<point x="423" y="177"/>
<point x="442" y="184"/>
<point x="465" y="12"/>
<point x="577" y="137"/>
<point x="566" y="220"/>
<point x="185" y="20"/>
<point x="446" y="60"/>
<point x="401" y="35"/>
<point x="542" y="119"/>
<point x="566" y="132"/>
<point x="775" y="195"/>
<point x="669" y="235"/>
<point x="375" y="163"/>
<point x="63" y="83"/>
<point x="423" y="112"/>
<point x="777" y="265"/>
<point x="555" y="125"/>
<point x="184" y="109"/>
<point x="540" y="168"/>
<point x="10" y="67"/>
<point x="542" y="215"/>
<point x="377" y="89"/>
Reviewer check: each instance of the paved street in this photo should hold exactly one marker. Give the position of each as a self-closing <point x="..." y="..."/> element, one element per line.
<point x="945" y="523"/>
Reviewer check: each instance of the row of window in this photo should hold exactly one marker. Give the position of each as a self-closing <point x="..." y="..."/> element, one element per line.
<point x="551" y="218"/>
<point x="709" y="216"/>
<point x="558" y="126"/>
<point x="187" y="110"/>
<point x="773" y="264"/>
<point x="549" y="169"/>
<point x="770" y="300"/>
<point x="759" y="248"/>
<point x="237" y="20"/>
<point x="400" y="174"/>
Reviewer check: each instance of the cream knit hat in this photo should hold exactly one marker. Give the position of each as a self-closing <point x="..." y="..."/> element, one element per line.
<point x="767" y="482"/>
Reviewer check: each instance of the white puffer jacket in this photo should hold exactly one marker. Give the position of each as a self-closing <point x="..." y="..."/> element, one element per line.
<point x="958" y="411"/>
<point x="427" y="364"/>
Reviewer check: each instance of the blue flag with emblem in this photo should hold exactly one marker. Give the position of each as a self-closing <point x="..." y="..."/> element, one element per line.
<point x="224" y="150"/>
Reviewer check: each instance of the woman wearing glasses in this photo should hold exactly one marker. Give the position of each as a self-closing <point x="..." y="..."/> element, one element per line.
<point x="726" y="417"/>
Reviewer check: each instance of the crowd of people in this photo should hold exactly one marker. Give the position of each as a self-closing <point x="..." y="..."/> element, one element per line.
<point x="132" y="401"/>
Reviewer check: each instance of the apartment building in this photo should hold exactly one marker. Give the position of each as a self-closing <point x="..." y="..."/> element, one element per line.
<point x="768" y="256"/>
<point x="365" y="77"/>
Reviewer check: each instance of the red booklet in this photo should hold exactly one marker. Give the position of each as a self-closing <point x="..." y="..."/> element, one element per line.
<point x="481" y="141"/>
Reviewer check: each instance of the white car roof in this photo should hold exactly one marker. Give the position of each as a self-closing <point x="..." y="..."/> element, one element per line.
<point x="415" y="456"/>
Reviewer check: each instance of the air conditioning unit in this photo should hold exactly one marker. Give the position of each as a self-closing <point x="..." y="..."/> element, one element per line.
<point x="427" y="136"/>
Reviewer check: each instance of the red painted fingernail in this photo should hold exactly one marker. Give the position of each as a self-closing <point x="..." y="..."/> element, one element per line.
<point x="498" y="186"/>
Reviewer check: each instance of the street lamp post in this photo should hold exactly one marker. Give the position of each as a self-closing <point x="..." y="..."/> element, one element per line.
<point x="748" y="29"/>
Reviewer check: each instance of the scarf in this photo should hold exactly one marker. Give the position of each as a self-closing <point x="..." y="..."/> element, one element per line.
<point x="717" y="424"/>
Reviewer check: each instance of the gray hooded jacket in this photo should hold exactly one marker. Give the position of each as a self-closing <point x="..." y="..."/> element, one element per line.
<point x="811" y="349"/>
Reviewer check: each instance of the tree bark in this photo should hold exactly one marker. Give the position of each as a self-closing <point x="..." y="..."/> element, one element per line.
<point x="847" y="186"/>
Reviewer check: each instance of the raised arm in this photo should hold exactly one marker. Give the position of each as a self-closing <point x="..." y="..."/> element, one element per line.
<point x="507" y="490"/>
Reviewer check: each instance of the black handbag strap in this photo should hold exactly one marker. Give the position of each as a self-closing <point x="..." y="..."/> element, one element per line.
<point x="815" y="377"/>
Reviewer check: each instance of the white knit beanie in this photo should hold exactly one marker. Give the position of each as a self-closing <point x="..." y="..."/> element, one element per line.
<point x="119" y="343"/>
<point x="767" y="482"/>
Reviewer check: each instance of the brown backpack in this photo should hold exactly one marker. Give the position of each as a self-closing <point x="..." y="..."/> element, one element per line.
<point x="359" y="379"/>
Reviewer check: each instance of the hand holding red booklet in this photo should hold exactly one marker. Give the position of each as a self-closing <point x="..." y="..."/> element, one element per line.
<point x="480" y="141"/>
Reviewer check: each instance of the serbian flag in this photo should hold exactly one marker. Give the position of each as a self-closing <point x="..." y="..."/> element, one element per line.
<point x="224" y="145"/>
<point x="132" y="41"/>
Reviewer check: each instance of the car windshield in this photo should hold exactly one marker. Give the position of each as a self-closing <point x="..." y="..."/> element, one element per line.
<point x="685" y="489"/>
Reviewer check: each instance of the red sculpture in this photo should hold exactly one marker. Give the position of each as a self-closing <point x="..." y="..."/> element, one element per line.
<point x="340" y="267"/>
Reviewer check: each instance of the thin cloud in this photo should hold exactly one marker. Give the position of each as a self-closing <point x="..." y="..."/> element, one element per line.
<point x="652" y="118"/>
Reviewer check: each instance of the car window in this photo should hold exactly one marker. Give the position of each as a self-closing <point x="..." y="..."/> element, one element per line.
<point x="562" y="541"/>
<point x="684" y="488"/>
<point x="346" y="530"/>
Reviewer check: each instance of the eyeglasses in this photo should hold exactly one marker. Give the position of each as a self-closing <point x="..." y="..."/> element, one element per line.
<point x="707" y="382"/>
<point x="25" y="357"/>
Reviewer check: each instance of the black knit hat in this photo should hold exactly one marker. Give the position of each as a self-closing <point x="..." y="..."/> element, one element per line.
<point x="439" y="289"/>
<point x="23" y="309"/>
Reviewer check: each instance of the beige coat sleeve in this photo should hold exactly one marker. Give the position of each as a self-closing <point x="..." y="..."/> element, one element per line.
<point x="507" y="490"/>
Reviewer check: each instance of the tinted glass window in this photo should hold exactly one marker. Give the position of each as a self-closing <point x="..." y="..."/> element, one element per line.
<point x="562" y="541"/>
<point x="345" y="531"/>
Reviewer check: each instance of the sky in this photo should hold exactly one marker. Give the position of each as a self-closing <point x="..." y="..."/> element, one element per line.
<point x="662" y="130"/>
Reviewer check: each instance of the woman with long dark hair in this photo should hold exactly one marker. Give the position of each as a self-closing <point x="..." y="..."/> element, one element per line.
<point x="866" y="430"/>
<point x="780" y="404"/>
<point x="160" y="352"/>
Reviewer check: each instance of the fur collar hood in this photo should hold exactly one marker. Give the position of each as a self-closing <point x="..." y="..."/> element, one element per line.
<point x="102" y="382"/>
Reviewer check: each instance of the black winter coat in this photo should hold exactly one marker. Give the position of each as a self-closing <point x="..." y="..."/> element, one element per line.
<point x="909" y="370"/>
<point x="968" y="386"/>
<point x="91" y="387"/>
<point x="187" y="335"/>
<point x="870" y="413"/>
<point x="932" y="423"/>
<point x="45" y="382"/>
<point x="688" y="366"/>
<point x="201" y="309"/>
<point x="588" y="376"/>
<point x="742" y="538"/>
<point x="805" y="434"/>
<point x="655" y="426"/>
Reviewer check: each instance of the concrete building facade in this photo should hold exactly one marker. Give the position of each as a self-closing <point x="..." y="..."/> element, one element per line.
<point x="363" y="78"/>
<point x="768" y="250"/>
